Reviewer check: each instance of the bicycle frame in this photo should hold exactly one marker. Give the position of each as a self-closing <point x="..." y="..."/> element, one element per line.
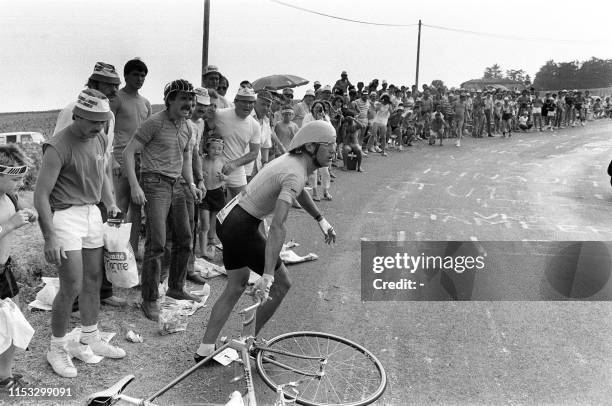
<point x="242" y="345"/>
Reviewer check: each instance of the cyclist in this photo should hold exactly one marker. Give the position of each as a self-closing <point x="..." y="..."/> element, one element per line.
<point x="271" y="191"/>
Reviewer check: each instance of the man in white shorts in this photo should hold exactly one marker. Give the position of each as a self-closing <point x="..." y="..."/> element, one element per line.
<point x="245" y="248"/>
<point x="71" y="182"/>
<point x="241" y="135"/>
<point x="105" y="79"/>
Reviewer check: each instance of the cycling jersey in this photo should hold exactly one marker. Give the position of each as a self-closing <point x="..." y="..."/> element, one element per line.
<point x="282" y="179"/>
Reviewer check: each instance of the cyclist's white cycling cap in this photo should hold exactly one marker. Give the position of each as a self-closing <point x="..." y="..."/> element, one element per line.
<point x="318" y="131"/>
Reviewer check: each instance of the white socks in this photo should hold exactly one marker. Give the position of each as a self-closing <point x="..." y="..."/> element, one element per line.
<point x="90" y="334"/>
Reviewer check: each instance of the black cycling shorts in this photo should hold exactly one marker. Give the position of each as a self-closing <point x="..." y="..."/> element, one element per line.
<point x="243" y="243"/>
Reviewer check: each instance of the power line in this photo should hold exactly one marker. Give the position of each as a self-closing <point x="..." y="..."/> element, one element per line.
<point x="341" y="18"/>
<point x="485" y="34"/>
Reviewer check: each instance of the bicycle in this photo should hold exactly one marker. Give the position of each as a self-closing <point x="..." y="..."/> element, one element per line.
<point x="305" y="367"/>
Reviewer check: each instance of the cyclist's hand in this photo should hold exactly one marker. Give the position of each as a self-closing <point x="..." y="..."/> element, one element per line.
<point x="262" y="286"/>
<point x="328" y="231"/>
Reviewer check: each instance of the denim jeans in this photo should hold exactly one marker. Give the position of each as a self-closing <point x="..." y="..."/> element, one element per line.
<point x="165" y="201"/>
<point x="192" y="211"/>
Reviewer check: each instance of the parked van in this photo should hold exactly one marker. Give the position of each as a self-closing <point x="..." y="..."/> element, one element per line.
<point x="21" y="138"/>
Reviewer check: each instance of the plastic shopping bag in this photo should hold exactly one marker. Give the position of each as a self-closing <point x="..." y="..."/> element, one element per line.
<point x="14" y="328"/>
<point x="119" y="260"/>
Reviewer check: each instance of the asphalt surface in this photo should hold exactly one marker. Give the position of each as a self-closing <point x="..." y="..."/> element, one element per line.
<point x="540" y="347"/>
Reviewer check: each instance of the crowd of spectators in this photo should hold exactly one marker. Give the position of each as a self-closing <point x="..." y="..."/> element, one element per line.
<point x="177" y="168"/>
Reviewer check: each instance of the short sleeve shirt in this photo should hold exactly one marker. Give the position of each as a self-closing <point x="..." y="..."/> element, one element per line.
<point x="164" y="143"/>
<point x="282" y="179"/>
<point x="81" y="176"/>
<point x="266" y="141"/>
<point x="64" y="119"/>
<point x="237" y="133"/>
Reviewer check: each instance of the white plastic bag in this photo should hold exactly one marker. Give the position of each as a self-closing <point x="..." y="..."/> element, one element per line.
<point x="49" y="291"/>
<point x="119" y="260"/>
<point x="14" y="328"/>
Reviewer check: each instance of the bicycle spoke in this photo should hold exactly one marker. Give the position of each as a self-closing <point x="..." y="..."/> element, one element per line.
<point x="352" y="375"/>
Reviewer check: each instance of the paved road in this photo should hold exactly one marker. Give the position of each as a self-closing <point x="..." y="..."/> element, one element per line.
<point x="536" y="186"/>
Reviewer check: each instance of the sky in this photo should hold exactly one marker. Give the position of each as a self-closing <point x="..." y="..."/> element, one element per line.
<point x="49" y="48"/>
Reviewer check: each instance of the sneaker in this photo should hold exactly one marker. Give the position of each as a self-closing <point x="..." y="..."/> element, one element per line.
<point x="458" y="143"/>
<point x="61" y="362"/>
<point x="383" y="153"/>
<point x="114" y="301"/>
<point x="104" y="349"/>
<point x="401" y="148"/>
<point x="377" y="149"/>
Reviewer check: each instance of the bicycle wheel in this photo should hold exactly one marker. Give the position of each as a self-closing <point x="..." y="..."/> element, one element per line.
<point x="352" y="375"/>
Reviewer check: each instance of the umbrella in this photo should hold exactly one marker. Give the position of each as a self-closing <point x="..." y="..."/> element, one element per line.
<point x="277" y="82"/>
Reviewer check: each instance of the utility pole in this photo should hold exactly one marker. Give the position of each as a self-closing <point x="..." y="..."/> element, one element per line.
<point x="418" y="57"/>
<point x="205" y="39"/>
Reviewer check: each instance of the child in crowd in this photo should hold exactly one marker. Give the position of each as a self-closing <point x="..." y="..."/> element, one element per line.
<point x="438" y="124"/>
<point x="214" y="200"/>
<point x="286" y="129"/>
<point x="13" y="215"/>
<point x="523" y="121"/>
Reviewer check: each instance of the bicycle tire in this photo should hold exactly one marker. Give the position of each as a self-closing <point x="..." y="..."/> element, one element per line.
<point x="361" y="375"/>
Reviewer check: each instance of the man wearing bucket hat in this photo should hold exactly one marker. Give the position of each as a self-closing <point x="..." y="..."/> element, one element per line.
<point x="166" y="154"/>
<point x="210" y="80"/>
<point x="271" y="192"/>
<point x="105" y="79"/>
<point x="71" y="182"/>
<point x="302" y="109"/>
<point x="241" y="135"/>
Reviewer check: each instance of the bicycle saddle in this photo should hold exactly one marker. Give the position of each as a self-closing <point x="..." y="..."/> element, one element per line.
<point x="104" y="398"/>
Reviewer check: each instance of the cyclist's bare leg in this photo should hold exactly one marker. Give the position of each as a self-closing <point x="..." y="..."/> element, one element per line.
<point x="236" y="283"/>
<point x="278" y="290"/>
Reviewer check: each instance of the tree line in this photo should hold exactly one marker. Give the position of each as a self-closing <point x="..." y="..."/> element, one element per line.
<point x="591" y="74"/>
